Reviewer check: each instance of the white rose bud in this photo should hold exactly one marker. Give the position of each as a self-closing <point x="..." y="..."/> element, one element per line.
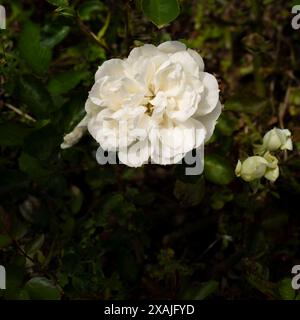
<point x="257" y="167"/>
<point x="276" y="139"/>
<point x="252" y="168"/>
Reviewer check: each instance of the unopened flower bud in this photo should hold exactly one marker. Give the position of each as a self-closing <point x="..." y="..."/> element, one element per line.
<point x="252" y="168"/>
<point x="276" y="139"/>
<point x="256" y="167"/>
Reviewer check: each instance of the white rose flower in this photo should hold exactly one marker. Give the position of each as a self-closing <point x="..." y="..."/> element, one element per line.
<point x="276" y="139"/>
<point x="157" y="104"/>
<point x="256" y="167"/>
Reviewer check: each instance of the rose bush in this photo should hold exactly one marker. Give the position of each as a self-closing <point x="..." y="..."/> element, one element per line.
<point x="157" y="104"/>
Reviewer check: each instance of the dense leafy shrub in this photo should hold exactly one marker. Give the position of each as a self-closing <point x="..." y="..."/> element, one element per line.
<point x="72" y="229"/>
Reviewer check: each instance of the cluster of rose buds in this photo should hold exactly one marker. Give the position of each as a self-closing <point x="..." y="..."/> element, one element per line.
<point x="263" y="163"/>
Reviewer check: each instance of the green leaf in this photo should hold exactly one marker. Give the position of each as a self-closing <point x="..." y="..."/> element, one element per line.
<point x="189" y="194"/>
<point x="226" y="124"/>
<point x="13" y="134"/>
<point x="40" y="288"/>
<point x="161" y="12"/>
<point x="63" y="7"/>
<point x="218" y="169"/>
<point x="37" y="56"/>
<point x="54" y="34"/>
<point x="66" y="81"/>
<point x="33" y="93"/>
<point x="206" y="289"/>
<point x="201" y="291"/>
<point x="285" y="289"/>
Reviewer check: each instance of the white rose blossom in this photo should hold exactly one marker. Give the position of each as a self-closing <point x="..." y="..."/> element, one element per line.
<point x="158" y="104"/>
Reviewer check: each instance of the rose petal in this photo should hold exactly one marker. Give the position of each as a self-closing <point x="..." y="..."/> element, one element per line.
<point x="210" y="96"/>
<point x="135" y="155"/>
<point x="198" y="59"/>
<point x="209" y="120"/>
<point x="171" y="46"/>
<point x="112" y="67"/>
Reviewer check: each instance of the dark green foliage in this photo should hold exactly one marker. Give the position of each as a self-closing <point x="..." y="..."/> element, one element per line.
<point x="218" y="169"/>
<point x="160" y="12"/>
<point x="35" y="54"/>
<point x="72" y="229"/>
